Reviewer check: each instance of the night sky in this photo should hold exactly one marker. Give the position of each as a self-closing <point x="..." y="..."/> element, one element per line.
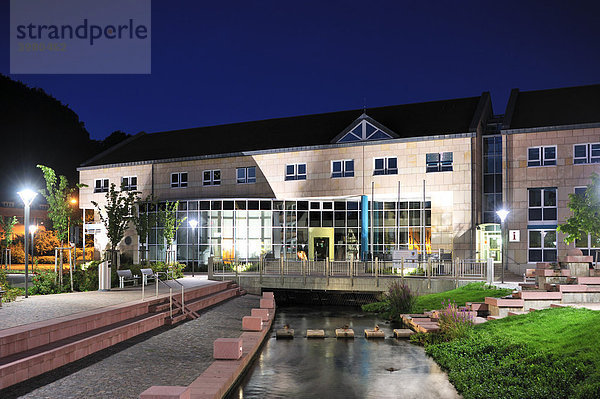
<point x="232" y="61"/>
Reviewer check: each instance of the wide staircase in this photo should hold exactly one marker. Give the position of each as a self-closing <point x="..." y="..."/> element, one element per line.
<point x="29" y="350"/>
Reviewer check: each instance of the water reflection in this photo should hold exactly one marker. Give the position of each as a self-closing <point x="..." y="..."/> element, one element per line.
<point x="336" y="368"/>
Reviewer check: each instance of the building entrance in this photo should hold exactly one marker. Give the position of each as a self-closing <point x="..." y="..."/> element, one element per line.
<point x="489" y="242"/>
<point x="321" y="248"/>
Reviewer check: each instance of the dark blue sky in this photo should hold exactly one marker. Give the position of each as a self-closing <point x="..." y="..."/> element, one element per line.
<point x="231" y="61"/>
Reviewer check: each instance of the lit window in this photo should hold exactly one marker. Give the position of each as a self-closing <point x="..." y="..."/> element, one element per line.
<point x="101" y="185"/>
<point x="586" y="153"/>
<point x="441" y="162"/>
<point x="211" y="177"/>
<point x="542" y="204"/>
<point x="541" y="156"/>
<point x="342" y="168"/>
<point x="179" y="180"/>
<point x="386" y="166"/>
<point x="246" y="175"/>
<point x="129" y="183"/>
<point x="295" y="171"/>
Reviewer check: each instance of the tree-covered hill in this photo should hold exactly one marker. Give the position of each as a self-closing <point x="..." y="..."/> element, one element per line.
<point x="36" y="128"/>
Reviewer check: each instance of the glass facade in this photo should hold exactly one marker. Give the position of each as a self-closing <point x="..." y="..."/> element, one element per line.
<point x="492" y="178"/>
<point x="245" y="229"/>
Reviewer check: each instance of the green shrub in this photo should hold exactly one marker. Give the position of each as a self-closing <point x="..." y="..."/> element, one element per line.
<point x="45" y="283"/>
<point x="11" y="293"/>
<point x="400" y="298"/>
<point x="376" y="307"/>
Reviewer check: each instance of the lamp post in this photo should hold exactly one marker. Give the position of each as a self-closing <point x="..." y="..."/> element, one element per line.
<point x="502" y="214"/>
<point x="193" y="223"/>
<point x="32" y="229"/>
<point x="27" y="197"/>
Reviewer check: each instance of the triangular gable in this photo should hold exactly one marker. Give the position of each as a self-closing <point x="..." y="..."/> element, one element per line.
<point x="364" y="128"/>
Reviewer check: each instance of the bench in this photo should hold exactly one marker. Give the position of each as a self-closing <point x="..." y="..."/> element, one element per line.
<point x="146" y="275"/>
<point x="125" y="276"/>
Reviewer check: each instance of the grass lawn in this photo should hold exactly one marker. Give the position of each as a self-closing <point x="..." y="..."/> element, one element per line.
<point x="553" y="353"/>
<point x="474" y="292"/>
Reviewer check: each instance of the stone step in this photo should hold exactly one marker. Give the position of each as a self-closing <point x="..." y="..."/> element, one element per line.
<point x="27" y="364"/>
<point x="504" y="302"/>
<point x="578" y="288"/>
<point x="538" y="295"/>
<point x="528" y="286"/>
<point x="516" y="313"/>
<point x="477" y="306"/>
<point x="588" y="280"/>
<point x="175" y="319"/>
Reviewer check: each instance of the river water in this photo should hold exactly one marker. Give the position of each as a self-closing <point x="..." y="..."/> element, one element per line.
<point x="340" y="368"/>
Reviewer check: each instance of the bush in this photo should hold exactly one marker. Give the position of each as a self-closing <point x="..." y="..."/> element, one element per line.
<point x="45" y="283"/>
<point x="376" y="307"/>
<point x="400" y="299"/>
<point x="454" y="323"/>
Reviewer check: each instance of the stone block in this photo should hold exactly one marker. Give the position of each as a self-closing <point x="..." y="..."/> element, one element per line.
<point x="403" y="332"/>
<point x="166" y="392"/>
<point x="262" y="313"/>
<point x="578" y="269"/>
<point x="344" y="333"/>
<point x="284" y="333"/>
<point x="575" y="259"/>
<point x="588" y="280"/>
<point x="374" y="334"/>
<point x="251" y="323"/>
<point x="315" y="333"/>
<point x="267" y="303"/>
<point x="227" y="348"/>
<point x="268" y="295"/>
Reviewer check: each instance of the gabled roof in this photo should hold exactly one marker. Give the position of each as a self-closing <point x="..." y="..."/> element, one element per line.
<point x="364" y="128"/>
<point x="406" y="121"/>
<point x="553" y="107"/>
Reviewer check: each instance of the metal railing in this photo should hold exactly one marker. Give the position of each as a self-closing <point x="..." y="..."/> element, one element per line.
<point x="405" y="268"/>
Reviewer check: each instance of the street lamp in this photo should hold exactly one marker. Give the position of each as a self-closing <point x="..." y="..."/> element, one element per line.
<point x="32" y="229"/>
<point x="503" y="214"/>
<point x="27" y="197"/>
<point x="193" y="223"/>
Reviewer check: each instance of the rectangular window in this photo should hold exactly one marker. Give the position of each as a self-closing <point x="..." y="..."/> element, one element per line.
<point x="342" y="168"/>
<point x="542" y="204"/>
<point x="179" y="180"/>
<point x="295" y="171"/>
<point x="386" y="166"/>
<point x="101" y="185"/>
<point x="439" y="162"/>
<point x="541" y="156"/>
<point x="586" y="153"/>
<point x="246" y="175"/>
<point x="211" y="178"/>
<point x="129" y="183"/>
<point x="542" y="246"/>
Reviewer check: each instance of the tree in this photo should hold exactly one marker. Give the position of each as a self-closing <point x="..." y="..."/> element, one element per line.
<point x="57" y="193"/>
<point x="116" y="215"/>
<point x="586" y="213"/>
<point x="45" y="242"/>
<point x="7" y="226"/>
<point x="143" y="221"/>
<point x="168" y="219"/>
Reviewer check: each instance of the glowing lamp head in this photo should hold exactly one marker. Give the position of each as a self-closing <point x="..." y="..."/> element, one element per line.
<point x="73" y="201"/>
<point x="27" y="196"/>
<point x="32" y="229"/>
<point x="193" y="223"/>
<point x="502" y="214"/>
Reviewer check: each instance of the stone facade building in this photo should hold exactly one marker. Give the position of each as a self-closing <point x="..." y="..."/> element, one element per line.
<point x="355" y="184"/>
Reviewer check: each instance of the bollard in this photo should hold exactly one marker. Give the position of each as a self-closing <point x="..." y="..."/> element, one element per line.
<point x="402" y="269"/>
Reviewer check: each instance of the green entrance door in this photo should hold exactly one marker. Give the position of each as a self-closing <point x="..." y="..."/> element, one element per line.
<point x="321" y="248"/>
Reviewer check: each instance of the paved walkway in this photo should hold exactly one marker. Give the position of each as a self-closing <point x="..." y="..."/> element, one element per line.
<point x="44" y="307"/>
<point x="166" y="356"/>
